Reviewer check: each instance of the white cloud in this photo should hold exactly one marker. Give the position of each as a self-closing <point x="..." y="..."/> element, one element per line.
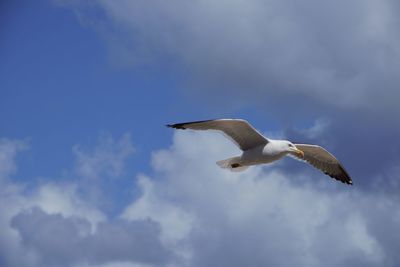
<point x="261" y="217"/>
<point x="64" y="199"/>
<point x="175" y="223"/>
<point x="52" y="224"/>
<point x="64" y="241"/>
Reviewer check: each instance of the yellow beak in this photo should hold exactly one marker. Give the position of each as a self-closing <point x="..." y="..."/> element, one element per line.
<point x="299" y="153"/>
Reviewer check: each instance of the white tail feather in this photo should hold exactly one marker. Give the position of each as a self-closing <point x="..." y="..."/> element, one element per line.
<point x="232" y="164"/>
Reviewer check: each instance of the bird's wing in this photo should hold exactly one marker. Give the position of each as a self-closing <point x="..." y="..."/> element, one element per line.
<point x="324" y="161"/>
<point x="240" y="131"/>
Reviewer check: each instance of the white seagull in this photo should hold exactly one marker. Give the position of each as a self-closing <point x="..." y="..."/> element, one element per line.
<point x="257" y="149"/>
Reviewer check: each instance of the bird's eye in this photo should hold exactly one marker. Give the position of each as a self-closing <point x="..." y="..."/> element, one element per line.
<point x="290" y="145"/>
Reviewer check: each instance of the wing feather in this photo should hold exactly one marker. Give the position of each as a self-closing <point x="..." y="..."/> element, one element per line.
<point x="323" y="160"/>
<point x="241" y="132"/>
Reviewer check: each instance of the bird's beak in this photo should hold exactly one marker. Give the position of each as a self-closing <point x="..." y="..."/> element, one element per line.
<point x="299" y="153"/>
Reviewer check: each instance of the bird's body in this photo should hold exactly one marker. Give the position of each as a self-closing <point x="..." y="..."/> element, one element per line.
<point x="263" y="154"/>
<point x="257" y="149"/>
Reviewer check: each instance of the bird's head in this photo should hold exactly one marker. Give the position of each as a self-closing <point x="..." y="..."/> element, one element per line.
<point x="292" y="149"/>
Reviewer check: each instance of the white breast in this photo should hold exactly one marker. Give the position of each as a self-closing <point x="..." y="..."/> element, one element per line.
<point x="262" y="154"/>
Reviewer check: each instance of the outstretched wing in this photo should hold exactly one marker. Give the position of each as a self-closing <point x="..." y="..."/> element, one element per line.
<point x="240" y="131"/>
<point x="324" y="161"/>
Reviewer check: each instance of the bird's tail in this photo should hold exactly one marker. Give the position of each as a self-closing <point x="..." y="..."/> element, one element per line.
<point x="232" y="164"/>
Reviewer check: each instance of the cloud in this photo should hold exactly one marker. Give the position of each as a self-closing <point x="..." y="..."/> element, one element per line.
<point x="263" y="216"/>
<point x="61" y="241"/>
<point x="55" y="224"/>
<point x="175" y="223"/>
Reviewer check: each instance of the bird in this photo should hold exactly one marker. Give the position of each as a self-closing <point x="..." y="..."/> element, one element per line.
<point x="258" y="149"/>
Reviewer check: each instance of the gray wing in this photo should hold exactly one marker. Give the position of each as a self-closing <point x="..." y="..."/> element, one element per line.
<point x="240" y="131"/>
<point x="324" y="161"/>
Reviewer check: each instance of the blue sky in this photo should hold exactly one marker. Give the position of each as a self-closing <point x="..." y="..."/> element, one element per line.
<point x="86" y="89"/>
<point x="58" y="87"/>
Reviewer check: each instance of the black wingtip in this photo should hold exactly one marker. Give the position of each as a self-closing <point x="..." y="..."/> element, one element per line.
<point x="176" y="126"/>
<point x="343" y="179"/>
<point x="181" y="126"/>
<point x="346" y="177"/>
<point x="348" y="182"/>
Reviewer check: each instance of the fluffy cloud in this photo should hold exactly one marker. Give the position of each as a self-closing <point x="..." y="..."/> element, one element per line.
<point x="63" y="241"/>
<point x="262" y="216"/>
<point x="54" y="224"/>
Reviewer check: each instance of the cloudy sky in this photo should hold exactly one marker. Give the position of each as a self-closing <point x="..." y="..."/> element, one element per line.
<point x="89" y="175"/>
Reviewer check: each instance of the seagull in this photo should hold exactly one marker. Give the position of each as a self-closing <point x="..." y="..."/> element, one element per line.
<point x="258" y="149"/>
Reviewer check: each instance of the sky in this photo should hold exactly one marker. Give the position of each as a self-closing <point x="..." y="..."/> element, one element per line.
<point x="90" y="175"/>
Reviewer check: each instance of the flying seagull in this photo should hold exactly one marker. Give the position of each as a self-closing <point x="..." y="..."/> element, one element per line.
<point x="257" y="149"/>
